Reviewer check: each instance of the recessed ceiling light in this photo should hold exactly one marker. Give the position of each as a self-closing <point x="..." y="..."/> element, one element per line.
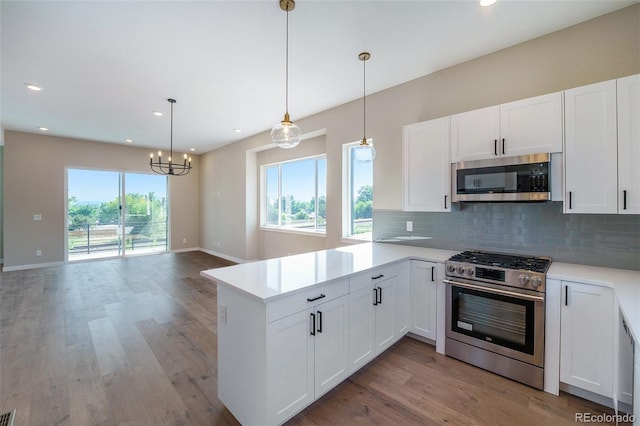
<point x="237" y="130"/>
<point x="44" y="129"/>
<point x="34" y="87"/>
<point x="486" y="3"/>
<point x="192" y="149"/>
<point x="128" y="140"/>
<point x="157" y="113"/>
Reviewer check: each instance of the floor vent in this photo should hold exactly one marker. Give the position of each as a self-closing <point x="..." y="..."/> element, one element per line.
<point x="7" y="419"/>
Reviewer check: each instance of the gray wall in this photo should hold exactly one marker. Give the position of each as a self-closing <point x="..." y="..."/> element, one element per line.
<point x="1" y="206"/>
<point x="529" y="228"/>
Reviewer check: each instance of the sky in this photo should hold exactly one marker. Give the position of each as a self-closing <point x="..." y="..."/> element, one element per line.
<point x="303" y="171"/>
<point x="100" y="186"/>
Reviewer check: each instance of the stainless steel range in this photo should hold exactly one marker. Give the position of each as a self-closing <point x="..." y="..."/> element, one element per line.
<point x="495" y="313"/>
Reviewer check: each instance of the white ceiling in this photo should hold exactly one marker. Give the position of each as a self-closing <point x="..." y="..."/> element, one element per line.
<point x="106" y="65"/>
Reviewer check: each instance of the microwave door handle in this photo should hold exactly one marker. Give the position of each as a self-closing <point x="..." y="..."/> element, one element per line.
<point x="495" y="291"/>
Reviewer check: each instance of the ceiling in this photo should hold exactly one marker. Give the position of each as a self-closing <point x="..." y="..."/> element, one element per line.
<point x="106" y="65"/>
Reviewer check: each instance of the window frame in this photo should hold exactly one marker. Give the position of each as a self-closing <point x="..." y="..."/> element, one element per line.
<point x="264" y="226"/>
<point x="347" y="195"/>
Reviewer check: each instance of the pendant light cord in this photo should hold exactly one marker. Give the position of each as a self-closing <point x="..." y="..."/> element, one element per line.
<point x="171" y="137"/>
<point x="286" y="90"/>
<point x="364" y="100"/>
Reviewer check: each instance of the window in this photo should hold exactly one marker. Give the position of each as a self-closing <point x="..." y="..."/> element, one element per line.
<point x="294" y="195"/>
<point x="357" y="192"/>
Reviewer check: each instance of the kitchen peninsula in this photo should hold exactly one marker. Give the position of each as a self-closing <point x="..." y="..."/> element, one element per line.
<point x="292" y="328"/>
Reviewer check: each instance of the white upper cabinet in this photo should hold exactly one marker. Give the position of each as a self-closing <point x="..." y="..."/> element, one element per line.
<point x="527" y="126"/>
<point x="475" y="134"/>
<point x="426" y="166"/>
<point x="531" y="125"/>
<point x="628" y="90"/>
<point x="591" y="156"/>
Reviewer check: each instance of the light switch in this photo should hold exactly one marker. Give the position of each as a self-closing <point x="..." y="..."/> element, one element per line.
<point x="37" y="217"/>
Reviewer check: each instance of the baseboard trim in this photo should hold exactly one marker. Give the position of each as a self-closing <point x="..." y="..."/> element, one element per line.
<point x="224" y="256"/>
<point x="31" y="266"/>
<point x="184" y="250"/>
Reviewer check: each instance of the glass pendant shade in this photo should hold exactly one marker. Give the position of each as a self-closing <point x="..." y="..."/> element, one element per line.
<point x="286" y="134"/>
<point x="364" y="153"/>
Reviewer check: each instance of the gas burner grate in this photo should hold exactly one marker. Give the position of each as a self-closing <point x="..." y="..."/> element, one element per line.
<point x="503" y="260"/>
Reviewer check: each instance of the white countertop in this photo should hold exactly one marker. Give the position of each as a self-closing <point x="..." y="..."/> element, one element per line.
<point x="625" y="283"/>
<point x="270" y="279"/>
<point x="267" y="280"/>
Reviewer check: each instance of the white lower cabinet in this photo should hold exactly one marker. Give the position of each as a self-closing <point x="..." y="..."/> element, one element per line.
<point x="424" y="276"/>
<point x="586" y="330"/>
<point x="307" y="356"/>
<point x="378" y="312"/>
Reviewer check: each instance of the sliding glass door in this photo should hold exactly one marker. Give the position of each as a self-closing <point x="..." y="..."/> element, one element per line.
<point x="145" y="213"/>
<point x="101" y="222"/>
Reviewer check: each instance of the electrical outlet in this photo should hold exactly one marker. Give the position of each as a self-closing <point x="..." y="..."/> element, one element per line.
<point x="38" y="252"/>
<point x="184" y="241"/>
<point x="218" y="243"/>
<point x="37" y="217"/>
<point x="409" y="226"/>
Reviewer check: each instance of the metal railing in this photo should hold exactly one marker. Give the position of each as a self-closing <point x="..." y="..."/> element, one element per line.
<point x="90" y="238"/>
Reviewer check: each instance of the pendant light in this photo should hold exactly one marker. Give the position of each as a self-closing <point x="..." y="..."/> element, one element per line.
<point x="364" y="153"/>
<point x="169" y="167"/>
<point x="286" y="134"/>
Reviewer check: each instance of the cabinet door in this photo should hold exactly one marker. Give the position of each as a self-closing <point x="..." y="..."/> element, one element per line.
<point x="362" y="347"/>
<point x="331" y="344"/>
<point x="423" y="298"/>
<point x="531" y="126"/>
<point x="629" y="144"/>
<point x="290" y="365"/>
<point x="591" y="149"/>
<point x="426" y="166"/>
<point x="474" y="134"/>
<point x="402" y="301"/>
<point x="586" y="330"/>
<point x="385" y="328"/>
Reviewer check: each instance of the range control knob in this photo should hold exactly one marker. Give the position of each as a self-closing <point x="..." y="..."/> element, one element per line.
<point x="523" y="279"/>
<point x="451" y="268"/>
<point x="536" y="281"/>
<point x="461" y="270"/>
<point x="471" y="271"/>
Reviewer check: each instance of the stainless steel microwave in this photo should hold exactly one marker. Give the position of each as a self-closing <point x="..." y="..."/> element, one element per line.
<point x="521" y="178"/>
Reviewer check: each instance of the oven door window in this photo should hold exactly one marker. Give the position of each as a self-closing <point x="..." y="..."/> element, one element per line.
<point x="501" y="320"/>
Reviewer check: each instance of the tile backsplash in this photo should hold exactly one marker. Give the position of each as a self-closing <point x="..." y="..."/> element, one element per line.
<point x="527" y="228"/>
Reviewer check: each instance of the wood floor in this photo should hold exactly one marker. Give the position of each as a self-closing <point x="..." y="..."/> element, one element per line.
<point x="133" y="342"/>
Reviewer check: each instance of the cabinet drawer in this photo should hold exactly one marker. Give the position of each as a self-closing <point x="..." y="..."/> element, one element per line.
<point x="306" y="299"/>
<point x="366" y="279"/>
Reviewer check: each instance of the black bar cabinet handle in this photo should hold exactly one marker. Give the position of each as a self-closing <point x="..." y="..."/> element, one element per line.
<point x="495" y="146"/>
<point x="375" y="296"/>
<point x="313" y="324"/>
<point x="319" y="321"/>
<point x="569" y="200"/>
<point x="445" y="201"/>
<point x="503" y="146"/>
<point x="377" y="277"/>
<point x="316" y="298"/>
<point x="380" y="295"/>
<point x="624" y="199"/>
<point x="566" y="295"/>
<point x="433" y="269"/>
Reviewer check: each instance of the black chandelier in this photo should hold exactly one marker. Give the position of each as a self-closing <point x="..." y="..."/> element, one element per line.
<point x="169" y="167"/>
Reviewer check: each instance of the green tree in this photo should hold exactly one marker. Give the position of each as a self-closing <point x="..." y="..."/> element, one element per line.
<point x="365" y="193"/>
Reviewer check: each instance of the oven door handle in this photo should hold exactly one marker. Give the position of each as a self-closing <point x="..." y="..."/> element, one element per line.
<point x="495" y="291"/>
